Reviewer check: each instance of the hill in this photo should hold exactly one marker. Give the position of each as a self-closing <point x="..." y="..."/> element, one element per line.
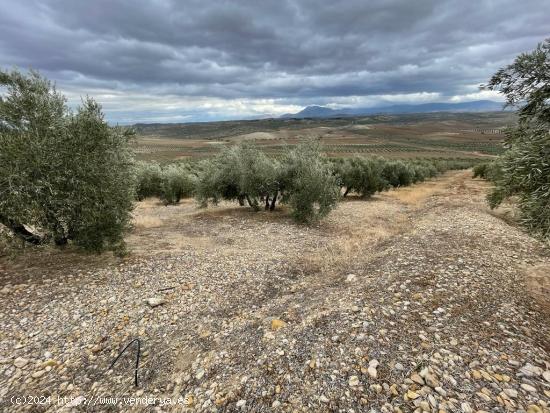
<point x="324" y="112"/>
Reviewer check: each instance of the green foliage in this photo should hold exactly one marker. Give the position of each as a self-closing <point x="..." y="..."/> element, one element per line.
<point x="148" y="179"/>
<point x="177" y="182"/>
<point x="362" y="175"/>
<point x="169" y="183"/>
<point x="491" y="171"/>
<point x="68" y="175"/>
<point x="301" y="179"/>
<point x="480" y="170"/>
<point x="524" y="169"/>
<point x="397" y="173"/>
<point x="307" y="183"/>
<point x="221" y="178"/>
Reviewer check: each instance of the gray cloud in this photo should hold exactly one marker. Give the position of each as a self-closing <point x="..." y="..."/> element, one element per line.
<point x="245" y="53"/>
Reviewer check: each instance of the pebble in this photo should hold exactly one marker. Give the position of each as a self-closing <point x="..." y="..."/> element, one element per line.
<point x="38" y="374"/>
<point x="20" y="362"/>
<point x="512" y="393"/>
<point x="155" y="301"/>
<point x="276" y="324"/>
<point x="528" y="388"/>
<point x="353" y="381"/>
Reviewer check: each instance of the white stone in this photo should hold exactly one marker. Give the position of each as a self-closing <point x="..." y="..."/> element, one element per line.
<point x="20" y="362"/>
<point x="155" y="301"/>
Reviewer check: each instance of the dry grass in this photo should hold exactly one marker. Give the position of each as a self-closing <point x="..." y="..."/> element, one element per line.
<point x="144" y="222"/>
<point x="357" y="227"/>
<point x="415" y="195"/>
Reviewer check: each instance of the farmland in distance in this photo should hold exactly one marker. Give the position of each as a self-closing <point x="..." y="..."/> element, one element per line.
<point x="432" y="135"/>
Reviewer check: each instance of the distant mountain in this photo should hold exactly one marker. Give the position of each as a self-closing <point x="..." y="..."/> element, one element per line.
<point x="324" y="112"/>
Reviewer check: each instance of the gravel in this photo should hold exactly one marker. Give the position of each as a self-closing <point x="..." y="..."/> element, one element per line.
<point x="433" y="317"/>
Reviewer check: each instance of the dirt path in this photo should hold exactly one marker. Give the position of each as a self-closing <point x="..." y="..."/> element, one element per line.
<point x="414" y="299"/>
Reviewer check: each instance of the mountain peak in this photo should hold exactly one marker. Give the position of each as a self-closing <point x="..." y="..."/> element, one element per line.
<point x="315" y="111"/>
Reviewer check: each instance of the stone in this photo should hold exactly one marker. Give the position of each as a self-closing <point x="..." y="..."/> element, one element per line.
<point x="528" y="388"/>
<point x="353" y="381"/>
<point x="530" y="371"/>
<point x="533" y="408"/>
<point x="441" y="391"/>
<point x="431" y="380"/>
<point x="466" y="408"/>
<point x="38" y="374"/>
<point x="5" y="290"/>
<point x="411" y="395"/>
<point x="377" y="388"/>
<point x="155" y="301"/>
<point x="372" y="372"/>
<point x="189" y="400"/>
<point x="351" y="278"/>
<point x="20" y="362"/>
<point x="200" y="374"/>
<point x="241" y="403"/>
<point x="398" y="367"/>
<point x="324" y="399"/>
<point x="417" y="379"/>
<point x="512" y="393"/>
<point x="546" y="375"/>
<point x="277" y="324"/>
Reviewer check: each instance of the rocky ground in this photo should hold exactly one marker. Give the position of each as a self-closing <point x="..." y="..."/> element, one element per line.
<point x="412" y="301"/>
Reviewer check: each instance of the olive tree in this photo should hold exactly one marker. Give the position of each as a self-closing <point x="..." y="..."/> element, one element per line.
<point x="148" y="176"/>
<point x="525" y="165"/>
<point x="63" y="175"/>
<point x="177" y="182"/>
<point x="307" y="183"/>
<point x="241" y="173"/>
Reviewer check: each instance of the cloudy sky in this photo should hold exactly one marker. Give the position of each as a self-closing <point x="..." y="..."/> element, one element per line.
<point x="187" y="60"/>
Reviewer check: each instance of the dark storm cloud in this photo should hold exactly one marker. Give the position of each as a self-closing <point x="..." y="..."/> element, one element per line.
<point x="292" y="52"/>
